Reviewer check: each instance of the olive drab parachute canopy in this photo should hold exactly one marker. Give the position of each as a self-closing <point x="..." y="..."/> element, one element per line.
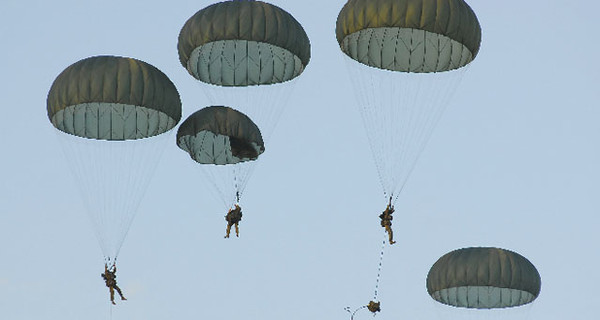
<point x="483" y="278"/>
<point x="113" y="98"/>
<point x="243" y="43"/>
<point x="409" y="35"/>
<point x="246" y="54"/>
<point x="220" y="135"/>
<point x="225" y="141"/>
<point x="406" y="58"/>
<point x="111" y="114"/>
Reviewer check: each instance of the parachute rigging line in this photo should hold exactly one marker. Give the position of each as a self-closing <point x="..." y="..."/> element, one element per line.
<point x="399" y="113"/>
<point x="112" y="177"/>
<point x="379" y="267"/>
<point x="352" y="313"/>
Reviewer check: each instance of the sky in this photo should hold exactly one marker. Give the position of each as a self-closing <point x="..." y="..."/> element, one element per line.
<point x="513" y="163"/>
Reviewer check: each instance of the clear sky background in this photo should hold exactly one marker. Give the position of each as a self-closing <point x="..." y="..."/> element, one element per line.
<point x="513" y="163"/>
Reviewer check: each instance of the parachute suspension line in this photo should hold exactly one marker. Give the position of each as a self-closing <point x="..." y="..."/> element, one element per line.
<point x="112" y="177"/>
<point x="237" y="188"/>
<point x="400" y="111"/>
<point x="365" y="107"/>
<point x="379" y="267"/>
<point x="228" y="181"/>
<point x="211" y="173"/>
<point x="433" y="96"/>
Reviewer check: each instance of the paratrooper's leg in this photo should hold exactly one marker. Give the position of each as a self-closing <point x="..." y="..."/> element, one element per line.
<point x="228" y="230"/>
<point x="112" y="295"/>
<point x="388" y="229"/>
<point x="120" y="293"/>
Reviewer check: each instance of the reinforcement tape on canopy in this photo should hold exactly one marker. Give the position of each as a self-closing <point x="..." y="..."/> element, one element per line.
<point x="208" y="148"/>
<point x="112" y="121"/>
<point x="482" y="297"/>
<point x="406" y="50"/>
<point x="243" y="63"/>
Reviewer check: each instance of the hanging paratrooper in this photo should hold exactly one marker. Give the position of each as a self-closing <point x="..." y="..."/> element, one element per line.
<point x="405" y="58"/>
<point x="224" y="141"/>
<point x="111" y="114"/>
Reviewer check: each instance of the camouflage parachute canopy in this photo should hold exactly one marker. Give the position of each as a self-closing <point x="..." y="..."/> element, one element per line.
<point x="113" y="98"/>
<point x="243" y="43"/>
<point x="483" y="278"/>
<point x="220" y="135"/>
<point x="409" y="35"/>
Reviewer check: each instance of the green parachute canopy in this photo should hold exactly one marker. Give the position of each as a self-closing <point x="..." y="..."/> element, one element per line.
<point x="483" y="278"/>
<point x="409" y="35"/>
<point x="220" y="135"/>
<point x="113" y="98"/>
<point x="243" y="43"/>
<point x="114" y="103"/>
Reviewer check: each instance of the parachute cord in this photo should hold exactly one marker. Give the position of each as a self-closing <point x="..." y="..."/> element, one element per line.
<point x="379" y="267"/>
<point x="236" y="187"/>
<point x="396" y="197"/>
<point x="110" y="263"/>
<point x="352" y="313"/>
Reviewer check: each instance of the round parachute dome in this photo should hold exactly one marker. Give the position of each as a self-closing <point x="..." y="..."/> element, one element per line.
<point x="220" y="135"/>
<point x="113" y="98"/>
<point x="409" y="35"/>
<point x="483" y="278"/>
<point x="243" y="43"/>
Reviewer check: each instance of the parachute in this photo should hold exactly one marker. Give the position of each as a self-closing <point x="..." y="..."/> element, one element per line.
<point x="483" y="278"/>
<point x="220" y="135"/>
<point x="246" y="54"/>
<point x="226" y="142"/>
<point x="405" y="59"/>
<point x="111" y="114"/>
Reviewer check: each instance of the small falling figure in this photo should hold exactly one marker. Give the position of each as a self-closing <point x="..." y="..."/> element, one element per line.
<point x="233" y="217"/>
<point x="374" y="306"/>
<point x="110" y="278"/>
<point x="386" y="221"/>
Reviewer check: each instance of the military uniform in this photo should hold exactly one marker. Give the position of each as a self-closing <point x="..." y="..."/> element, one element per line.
<point x="386" y="222"/>
<point x="110" y="278"/>
<point x="233" y="217"/>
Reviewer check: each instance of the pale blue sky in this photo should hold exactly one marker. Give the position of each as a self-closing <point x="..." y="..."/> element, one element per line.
<point x="513" y="163"/>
